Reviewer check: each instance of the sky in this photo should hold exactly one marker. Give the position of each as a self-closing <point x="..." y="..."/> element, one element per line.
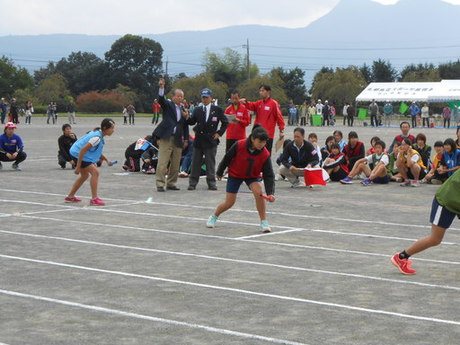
<point x="118" y="17"/>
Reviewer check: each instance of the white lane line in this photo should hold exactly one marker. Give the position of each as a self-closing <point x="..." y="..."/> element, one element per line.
<point x="289" y="228"/>
<point x="40" y="212"/>
<point x="150" y="318"/>
<point x="253" y="211"/>
<point x="254" y="293"/>
<point x="232" y="239"/>
<point x="218" y="258"/>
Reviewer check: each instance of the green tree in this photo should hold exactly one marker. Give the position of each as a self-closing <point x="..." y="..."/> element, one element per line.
<point x="450" y="70"/>
<point x="250" y="88"/>
<point x="136" y="62"/>
<point x="12" y="77"/>
<point x="24" y="95"/>
<point x="192" y="88"/>
<point x="52" y="88"/>
<point x="383" y="71"/>
<point x="320" y="75"/>
<point x="339" y="87"/>
<point x="44" y="72"/>
<point x="366" y="73"/>
<point x="420" y="72"/>
<point x="294" y="83"/>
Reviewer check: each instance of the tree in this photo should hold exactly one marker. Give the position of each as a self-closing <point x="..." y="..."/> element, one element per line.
<point x="12" y="77"/>
<point x="231" y="68"/>
<point x="383" y="71"/>
<point x="450" y="70"/>
<point x="44" y="72"/>
<point x="136" y="62"/>
<point x="192" y="88"/>
<point x="366" y="73"/>
<point x="321" y="74"/>
<point x="294" y="83"/>
<point x="52" y="88"/>
<point x="420" y="72"/>
<point x="339" y="87"/>
<point x="250" y="88"/>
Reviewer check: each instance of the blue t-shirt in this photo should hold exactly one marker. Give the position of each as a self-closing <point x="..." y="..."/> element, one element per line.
<point x="94" y="153"/>
<point x="11" y="144"/>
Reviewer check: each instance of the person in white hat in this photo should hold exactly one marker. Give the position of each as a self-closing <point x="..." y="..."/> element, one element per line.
<point x="11" y="147"/>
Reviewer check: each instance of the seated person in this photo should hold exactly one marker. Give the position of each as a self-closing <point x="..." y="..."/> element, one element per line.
<point x="278" y="176"/>
<point x="379" y="172"/>
<point x="354" y="150"/>
<point x="297" y="156"/>
<point x="410" y="165"/>
<point x="422" y="148"/>
<point x="186" y="164"/>
<point x="450" y="161"/>
<point x="313" y="138"/>
<point x="392" y="168"/>
<point x="326" y="149"/>
<point x="457" y="141"/>
<point x="65" y="141"/>
<point x="11" y="147"/>
<point x="336" y="164"/>
<point x="338" y="137"/>
<point x="133" y="153"/>
<point x="371" y="150"/>
<point x="433" y="175"/>
<point x="150" y="159"/>
<point x="405" y="128"/>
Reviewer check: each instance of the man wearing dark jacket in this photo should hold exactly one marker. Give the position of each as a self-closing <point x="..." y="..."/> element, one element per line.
<point x="297" y="156"/>
<point x="172" y="135"/>
<point x="65" y="142"/>
<point x="206" y="119"/>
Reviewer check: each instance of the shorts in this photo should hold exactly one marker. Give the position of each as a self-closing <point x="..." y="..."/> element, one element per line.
<point x="411" y="177"/>
<point x="338" y="175"/>
<point x="441" y="216"/>
<point x="234" y="183"/>
<point x="382" y="180"/>
<point x="84" y="164"/>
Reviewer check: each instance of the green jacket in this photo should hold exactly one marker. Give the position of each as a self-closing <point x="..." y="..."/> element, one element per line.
<point x="448" y="195"/>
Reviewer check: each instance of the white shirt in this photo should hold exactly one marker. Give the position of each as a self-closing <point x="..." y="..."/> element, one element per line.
<point x="383" y="158"/>
<point x="207" y="109"/>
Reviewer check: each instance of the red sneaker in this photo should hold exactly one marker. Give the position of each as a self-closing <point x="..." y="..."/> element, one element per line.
<point x="403" y="265"/>
<point x="72" y="199"/>
<point x="97" y="202"/>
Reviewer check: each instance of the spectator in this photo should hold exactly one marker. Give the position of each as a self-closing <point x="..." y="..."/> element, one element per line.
<point x="319" y="108"/>
<point x="29" y="109"/>
<point x="392" y="167"/>
<point x="292" y="110"/>
<point x="446" y="113"/>
<point x="71" y="112"/>
<point x="268" y="114"/>
<point x="55" y="113"/>
<point x="326" y="149"/>
<point x="11" y="147"/>
<point x="457" y="141"/>
<point x="354" y="150"/>
<point x="313" y="138"/>
<point x="336" y="165"/>
<point x="425" y="113"/>
<point x="387" y="113"/>
<point x="433" y="176"/>
<point x="134" y="152"/>
<point x="338" y="137"/>
<point x="131" y="112"/>
<point x="345" y="113"/>
<point x="303" y="113"/>
<point x="405" y="128"/>
<point x="297" y="156"/>
<point x="50" y="113"/>
<point x="14" y="111"/>
<point x="422" y="148"/>
<point x="236" y="129"/>
<point x="326" y="113"/>
<point x="351" y="115"/>
<point x="371" y="150"/>
<point x="450" y="161"/>
<point x="414" y="112"/>
<point x="410" y="165"/>
<point x="156" y="107"/>
<point x="3" y="110"/>
<point x="311" y="112"/>
<point x="65" y="142"/>
<point x="125" y="115"/>
<point x="374" y="111"/>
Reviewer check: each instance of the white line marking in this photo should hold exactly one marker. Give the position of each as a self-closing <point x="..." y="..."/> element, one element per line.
<point x="289" y="229"/>
<point x="150" y="318"/>
<point x="232" y="239"/>
<point x="253" y="211"/>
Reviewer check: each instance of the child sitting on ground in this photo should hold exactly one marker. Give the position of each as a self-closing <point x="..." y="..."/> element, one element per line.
<point x="379" y="172"/>
<point x="133" y="153"/>
<point x="354" y="150"/>
<point x="336" y="165"/>
<point x="392" y="168"/>
<point x="450" y="161"/>
<point x="410" y="165"/>
<point x="65" y="142"/>
<point x="433" y="175"/>
<point x="313" y="138"/>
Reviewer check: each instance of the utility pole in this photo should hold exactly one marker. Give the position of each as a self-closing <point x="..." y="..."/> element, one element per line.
<point x="166" y="69"/>
<point x="247" y="58"/>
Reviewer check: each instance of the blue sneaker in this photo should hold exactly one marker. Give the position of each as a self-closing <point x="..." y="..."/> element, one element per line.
<point x="211" y="223"/>
<point x="366" y="182"/>
<point x="265" y="226"/>
<point x="346" y="180"/>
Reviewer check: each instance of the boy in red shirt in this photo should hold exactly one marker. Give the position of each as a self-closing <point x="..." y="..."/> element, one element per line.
<point x="236" y="129"/>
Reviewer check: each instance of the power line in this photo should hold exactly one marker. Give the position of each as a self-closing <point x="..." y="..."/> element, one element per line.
<point x="357" y="49"/>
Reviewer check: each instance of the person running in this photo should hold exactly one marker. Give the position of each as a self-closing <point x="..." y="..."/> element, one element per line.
<point x="246" y="160"/>
<point x="11" y="147"/>
<point x="86" y="152"/>
<point x="65" y="142"/>
<point x="445" y="206"/>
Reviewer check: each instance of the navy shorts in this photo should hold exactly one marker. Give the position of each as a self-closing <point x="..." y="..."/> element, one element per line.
<point x="440" y="215"/>
<point x="84" y="164"/>
<point x="382" y="180"/>
<point x="233" y="183"/>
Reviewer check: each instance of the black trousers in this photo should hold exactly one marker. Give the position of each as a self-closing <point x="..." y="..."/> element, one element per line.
<point x="210" y="161"/>
<point x="19" y="158"/>
<point x="350" y="120"/>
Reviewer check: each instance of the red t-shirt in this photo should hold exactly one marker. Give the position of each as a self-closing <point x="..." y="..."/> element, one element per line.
<point x="268" y="114"/>
<point x="237" y="130"/>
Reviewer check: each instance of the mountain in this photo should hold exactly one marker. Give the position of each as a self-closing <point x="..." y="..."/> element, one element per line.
<point x="354" y="32"/>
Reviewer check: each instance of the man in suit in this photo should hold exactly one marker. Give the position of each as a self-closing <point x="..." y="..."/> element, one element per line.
<point x="173" y="136"/>
<point x="206" y="118"/>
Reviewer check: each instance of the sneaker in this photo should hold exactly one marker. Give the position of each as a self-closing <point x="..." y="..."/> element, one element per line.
<point x="366" y="182"/>
<point x="97" y="202"/>
<point x="72" y="199"/>
<point x="296" y="183"/>
<point x="346" y="180"/>
<point x="405" y="183"/>
<point x="265" y="226"/>
<point x="423" y="181"/>
<point x="16" y="167"/>
<point x="415" y="183"/>
<point x="404" y="265"/>
<point x="183" y="174"/>
<point x="150" y="171"/>
<point x="211" y="223"/>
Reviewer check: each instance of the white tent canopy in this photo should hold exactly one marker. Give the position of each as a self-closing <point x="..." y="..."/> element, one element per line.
<point x="447" y="90"/>
<point x="399" y="92"/>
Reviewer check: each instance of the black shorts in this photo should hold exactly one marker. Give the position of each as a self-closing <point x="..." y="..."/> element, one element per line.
<point x="233" y="183"/>
<point x="411" y="177"/>
<point x="338" y="175"/>
<point x="382" y="180"/>
<point x="84" y="164"/>
<point x="440" y="215"/>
